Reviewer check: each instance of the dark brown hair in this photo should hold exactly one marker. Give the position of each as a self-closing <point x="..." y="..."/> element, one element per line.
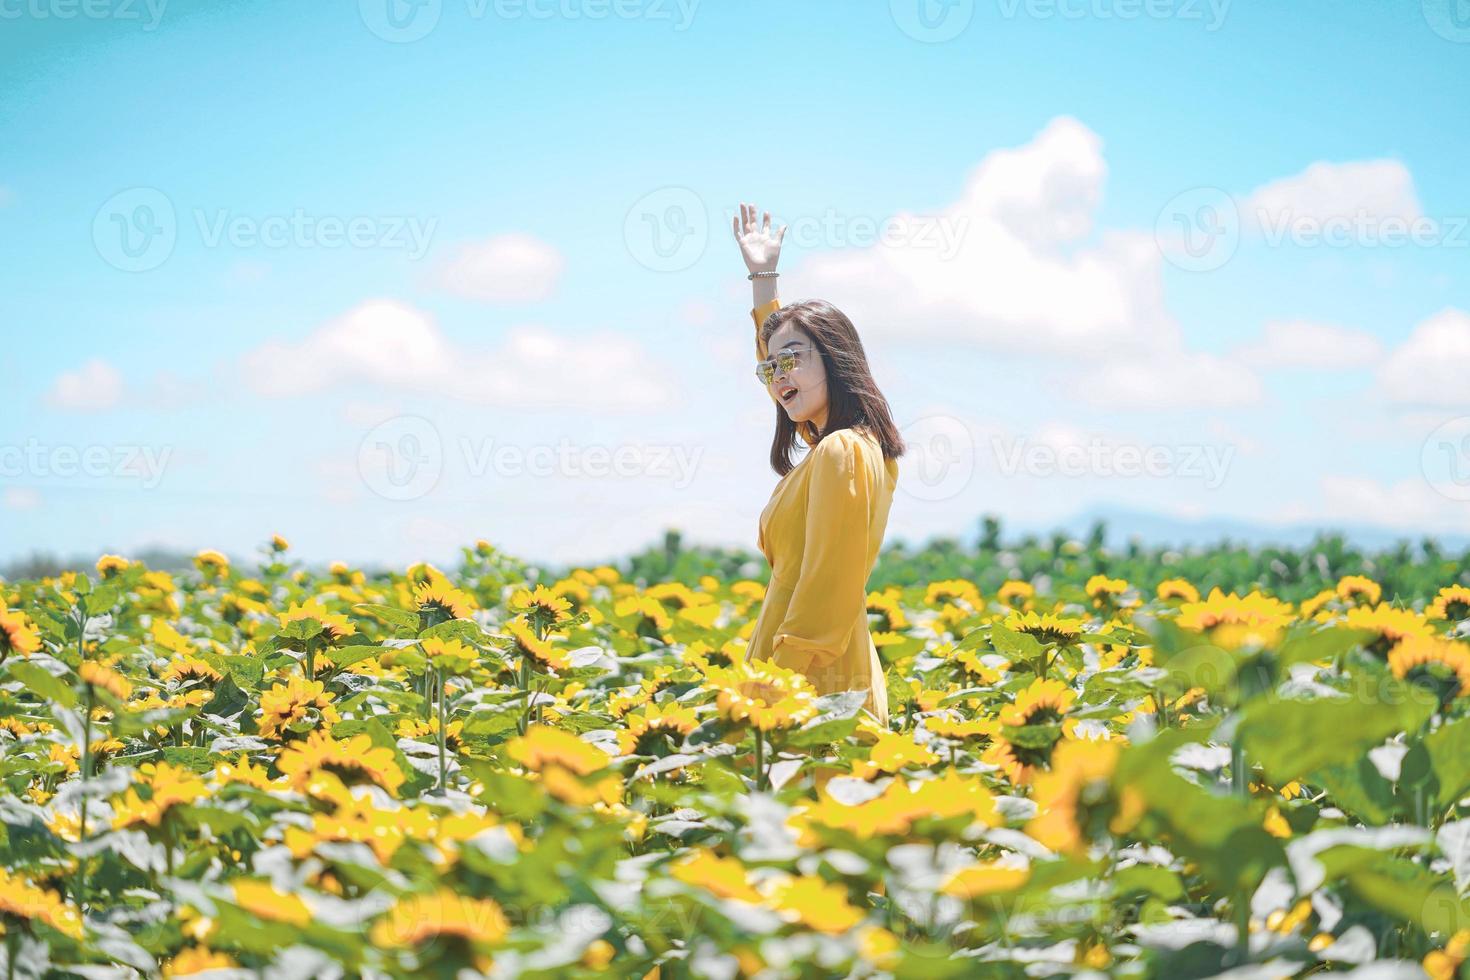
<point x="853" y="397"/>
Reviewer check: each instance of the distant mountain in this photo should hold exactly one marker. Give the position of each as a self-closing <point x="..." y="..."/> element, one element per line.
<point x="1160" y="529"/>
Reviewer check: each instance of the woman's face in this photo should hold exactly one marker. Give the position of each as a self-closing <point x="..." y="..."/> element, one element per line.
<point x="806" y="383"/>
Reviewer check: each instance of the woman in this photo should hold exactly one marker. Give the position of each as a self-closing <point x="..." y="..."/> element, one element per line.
<point x="824" y="524"/>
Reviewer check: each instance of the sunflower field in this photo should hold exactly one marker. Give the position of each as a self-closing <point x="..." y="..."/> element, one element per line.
<point x="487" y="771"/>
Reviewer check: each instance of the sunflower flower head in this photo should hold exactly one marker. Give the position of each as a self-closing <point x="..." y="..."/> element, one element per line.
<point x="1435" y="662"/>
<point x="763" y="695"/>
<point x="322" y="763"/>
<point x="1046" y="628"/>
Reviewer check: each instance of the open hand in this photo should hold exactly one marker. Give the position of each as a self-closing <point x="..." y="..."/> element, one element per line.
<point x="758" y="246"/>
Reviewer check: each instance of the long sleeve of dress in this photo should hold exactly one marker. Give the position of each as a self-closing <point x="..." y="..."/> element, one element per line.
<point x="759" y="314"/>
<point x="829" y="599"/>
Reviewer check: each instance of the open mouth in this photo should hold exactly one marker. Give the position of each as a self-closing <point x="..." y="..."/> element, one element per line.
<point x="787" y="394"/>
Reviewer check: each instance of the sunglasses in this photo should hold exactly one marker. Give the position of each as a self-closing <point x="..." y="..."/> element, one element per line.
<point x="788" y="359"/>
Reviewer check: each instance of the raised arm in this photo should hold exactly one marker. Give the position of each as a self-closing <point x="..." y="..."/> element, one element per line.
<point x="761" y="250"/>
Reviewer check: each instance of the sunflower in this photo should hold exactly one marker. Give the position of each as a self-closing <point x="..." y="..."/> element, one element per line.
<point x="651" y="612"/>
<point x="1234" y="621"/>
<point x="419" y="730"/>
<point x="892" y="752"/>
<point x="543" y="746"/>
<point x="1105" y="592"/>
<point x="264" y="901"/>
<point x="477" y="923"/>
<point x="895" y="811"/>
<point x="1176" y="588"/>
<point x="334" y="627"/>
<point x="452" y="655"/>
<point x="295" y="702"/>
<point x="763" y="695"/>
<point x="724" y="877"/>
<point x="985" y="879"/>
<point x="197" y="959"/>
<point x="950" y="590"/>
<point x="1075" y="799"/>
<point x="1358" y="589"/>
<point x="813" y="902"/>
<point x="529" y="646"/>
<point x="17" y="635"/>
<point x="1311" y="608"/>
<point x="183" y="669"/>
<point x="440" y="600"/>
<point x="211" y="563"/>
<point x="1451" y="603"/>
<point x="655" y="727"/>
<point x="110" y="565"/>
<point x="1389" y="624"/>
<point x="1044" y="702"/>
<point x="1046" y="628"/>
<point x="887" y="605"/>
<point x="353" y="761"/>
<point x="1016" y="593"/>
<point x="542" y="607"/>
<point x="961" y="731"/>
<point x="100" y="675"/>
<point x="279" y="544"/>
<point x="168" y="786"/>
<point x="22" y="904"/>
<point x="1431" y="661"/>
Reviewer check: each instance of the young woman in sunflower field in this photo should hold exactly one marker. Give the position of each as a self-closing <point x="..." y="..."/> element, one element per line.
<point x="823" y="527"/>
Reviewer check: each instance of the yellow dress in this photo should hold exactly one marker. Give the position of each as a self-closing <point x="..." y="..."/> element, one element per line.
<point x="821" y="533"/>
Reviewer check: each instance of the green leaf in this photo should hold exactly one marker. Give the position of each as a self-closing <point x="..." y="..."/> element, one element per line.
<point x="1449" y="755"/>
<point x="228" y="699"/>
<point x="42" y="683"/>
<point x="399" y="618"/>
<point x="1016" y="646"/>
<point x="1292" y="738"/>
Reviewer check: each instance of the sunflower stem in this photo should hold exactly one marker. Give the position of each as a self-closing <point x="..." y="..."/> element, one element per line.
<point x="760" y="761"/>
<point x="86" y="771"/>
<point x="443" y="766"/>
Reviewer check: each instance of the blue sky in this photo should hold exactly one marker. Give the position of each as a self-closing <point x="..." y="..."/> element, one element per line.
<point x="503" y="166"/>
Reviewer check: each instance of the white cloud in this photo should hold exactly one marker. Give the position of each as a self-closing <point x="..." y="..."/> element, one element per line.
<point x="94" y="387"/>
<point x="1371" y="189"/>
<point x="1014" y="277"/>
<point x="391" y="345"/>
<point x="1432" y="366"/>
<point x="511" y="268"/>
<point x="1170" y="380"/>
<point x="1411" y="504"/>
<point x="20" y="498"/>
<point x="1299" y="343"/>
<point x="1019" y="279"/>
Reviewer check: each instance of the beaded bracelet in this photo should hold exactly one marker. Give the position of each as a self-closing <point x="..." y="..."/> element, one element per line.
<point x="754" y="274"/>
